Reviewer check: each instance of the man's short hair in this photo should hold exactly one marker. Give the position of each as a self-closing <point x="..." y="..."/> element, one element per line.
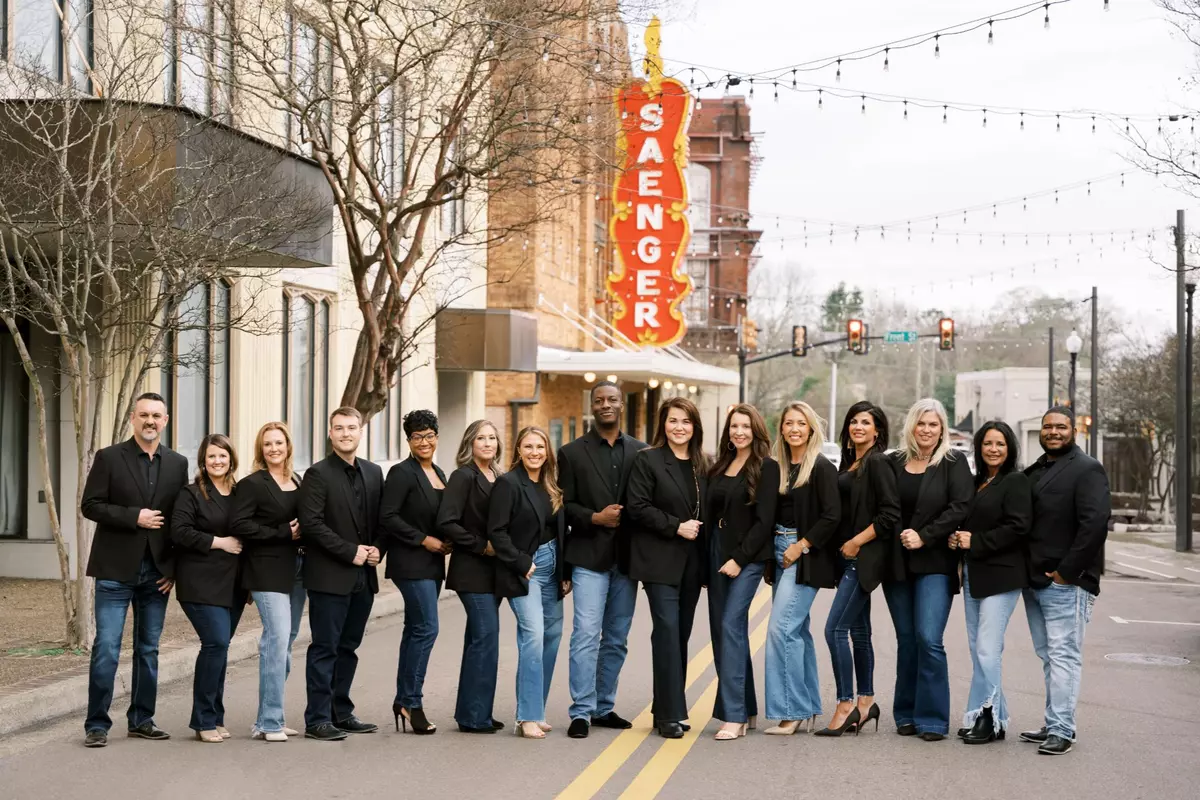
<point x="1066" y="411"/>
<point x="153" y="396"/>
<point x="601" y="384"/>
<point x="346" y="411"/>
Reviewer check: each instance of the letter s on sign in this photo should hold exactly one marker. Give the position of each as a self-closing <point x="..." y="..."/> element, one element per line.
<point x="649" y="249"/>
<point x="652" y="117"/>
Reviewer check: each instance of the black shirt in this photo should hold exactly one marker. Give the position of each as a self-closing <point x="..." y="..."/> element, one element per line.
<point x="846" y="530"/>
<point x="909" y="488"/>
<point x="616" y="458"/>
<point x="354" y="475"/>
<point x="785" y="509"/>
<point x="689" y="484"/>
<point x="550" y="529"/>
<point x="723" y="488"/>
<point x="150" y="464"/>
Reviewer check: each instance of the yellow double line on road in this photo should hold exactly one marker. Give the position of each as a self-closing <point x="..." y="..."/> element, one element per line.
<point x="654" y="775"/>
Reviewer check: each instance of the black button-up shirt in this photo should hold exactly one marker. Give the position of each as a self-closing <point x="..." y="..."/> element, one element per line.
<point x="354" y="475"/>
<point x="616" y="459"/>
<point x="150" y="465"/>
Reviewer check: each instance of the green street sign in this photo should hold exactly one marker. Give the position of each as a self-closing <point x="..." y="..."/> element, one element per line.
<point x="900" y="337"/>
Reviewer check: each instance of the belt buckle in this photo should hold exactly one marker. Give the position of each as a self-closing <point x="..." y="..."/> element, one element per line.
<point x="721" y="522"/>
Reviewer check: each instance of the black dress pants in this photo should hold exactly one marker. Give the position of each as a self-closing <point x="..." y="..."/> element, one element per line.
<point x="673" y="610"/>
<point x="338" y="623"/>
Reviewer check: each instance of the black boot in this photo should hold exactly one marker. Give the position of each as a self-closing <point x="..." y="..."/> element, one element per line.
<point x="984" y="730"/>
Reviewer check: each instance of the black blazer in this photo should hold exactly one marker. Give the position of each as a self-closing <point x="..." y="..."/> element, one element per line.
<point x="462" y="520"/>
<point x="743" y="529"/>
<point x="515" y="525"/>
<point x="656" y="502"/>
<point x="407" y="514"/>
<point x="1071" y="507"/>
<point x="202" y="574"/>
<point x="998" y="521"/>
<point x="332" y="525"/>
<point x="583" y="468"/>
<point x="817" y="510"/>
<point x="263" y="523"/>
<point x="114" y="494"/>
<point x="946" y="491"/>
<point x="873" y="501"/>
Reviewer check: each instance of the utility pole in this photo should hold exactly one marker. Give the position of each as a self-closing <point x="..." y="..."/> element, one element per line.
<point x="1183" y="499"/>
<point x="1094" y="438"/>
<point x="1187" y="428"/>
<point x="918" y="349"/>
<point x="1050" y="373"/>
<point x="833" y="394"/>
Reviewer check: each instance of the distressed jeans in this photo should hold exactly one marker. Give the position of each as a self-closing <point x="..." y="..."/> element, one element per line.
<point x="987" y="621"/>
<point x="1058" y="615"/>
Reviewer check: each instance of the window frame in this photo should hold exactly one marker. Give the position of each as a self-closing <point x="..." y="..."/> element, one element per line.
<point x="65" y="53"/>
<point x="321" y="311"/>
<point x="219" y="85"/>
<point x="22" y="529"/>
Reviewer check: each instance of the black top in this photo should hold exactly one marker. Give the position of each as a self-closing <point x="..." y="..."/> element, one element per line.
<point x="874" y="502"/>
<point x="944" y="494"/>
<point x="593" y="475"/>
<point x="408" y="512"/>
<point x="114" y="494"/>
<point x="202" y="574"/>
<point x="355" y="476"/>
<point x="721" y="490"/>
<point x="845" y="531"/>
<point x="744" y="528"/>
<point x="262" y="518"/>
<point x="690" y="484"/>
<point x="1071" y="507"/>
<point x="150" y="465"/>
<point x="998" y="520"/>
<point x="908" y="485"/>
<point x="816" y="508"/>
<point x="333" y="523"/>
<point x="462" y="520"/>
<point x="659" y="498"/>
<point x="785" y="513"/>
<point x="518" y="514"/>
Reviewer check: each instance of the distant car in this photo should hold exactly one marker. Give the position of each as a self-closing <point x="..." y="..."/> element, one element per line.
<point x="833" y="452"/>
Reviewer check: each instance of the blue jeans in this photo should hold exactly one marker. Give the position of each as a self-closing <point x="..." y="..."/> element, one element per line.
<point x="539" y="630"/>
<point x="1058" y="616"/>
<point x="849" y="621"/>
<point x="280" y="614"/>
<point x="793" y="691"/>
<point x="416" y="643"/>
<point x="480" y="660"/>
<point x="603" y="604"/>
<point x="338" y="622"/>
<point x="987" y="620"/>
<point x="113" y="599"/>
<point x="729" y="602"/>
<point x="920" y="608"/>
<point x="215" y="626"/>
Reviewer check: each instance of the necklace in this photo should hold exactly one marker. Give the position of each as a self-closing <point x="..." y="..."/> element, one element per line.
<point x="696" y="481"/>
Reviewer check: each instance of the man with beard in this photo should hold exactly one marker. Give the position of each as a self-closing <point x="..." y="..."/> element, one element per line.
<point x="1071" y="506"/>
<point x="593" y="472"/>
<point x="130" y="493"/>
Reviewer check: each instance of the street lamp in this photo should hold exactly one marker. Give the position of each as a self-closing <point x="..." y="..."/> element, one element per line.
<point x="1074" y="344"/>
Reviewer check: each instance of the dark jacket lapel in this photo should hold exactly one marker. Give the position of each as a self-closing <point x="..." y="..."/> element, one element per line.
<point x="130" y="453"/>
<point x="530" y="489"/>
<point x="631" y="450"/>
<point x="1057" y="467"/>
<point x="422" y="479"/>
<point x="162" y="453"/>
<point x="592" y="444"/>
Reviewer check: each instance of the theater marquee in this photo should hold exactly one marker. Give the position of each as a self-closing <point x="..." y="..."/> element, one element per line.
<point x="649" y="228"/>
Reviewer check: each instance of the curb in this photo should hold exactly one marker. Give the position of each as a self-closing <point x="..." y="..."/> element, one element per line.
<point x="69" y="696"/>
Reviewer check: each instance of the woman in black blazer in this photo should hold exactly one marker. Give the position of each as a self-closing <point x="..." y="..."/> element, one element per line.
<point x="462" y="521"/>
<point x="664" y="500"/>
<point x="806" y="519"/>
<point x="265" y="521"/>
<point x="206" y="572"/>
<point x="416" y="560"/>
<point x="867" y="496"/>
<point x="934" y="486"/>
<point x="995" y="570"/>
<point x="743" y="488"/>
<point x="526" y="527"/>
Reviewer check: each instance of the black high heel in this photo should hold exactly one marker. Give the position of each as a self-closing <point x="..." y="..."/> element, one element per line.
<point x="851" y="720"/>
<point x="872" y="714"/>
<point x="416" y="717"/>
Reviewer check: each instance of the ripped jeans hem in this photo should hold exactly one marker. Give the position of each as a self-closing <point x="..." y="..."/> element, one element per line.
<point x="997" y="723"/>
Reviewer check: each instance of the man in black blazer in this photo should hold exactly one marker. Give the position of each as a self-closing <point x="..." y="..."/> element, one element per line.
<point x="593" y="472"/>
<point x="130" y="493"/>
<point x="338" y="514"/>
<point x="1071" y="507"/>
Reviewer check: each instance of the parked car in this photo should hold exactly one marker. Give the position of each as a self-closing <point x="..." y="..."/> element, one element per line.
<point x="833" y="452"/>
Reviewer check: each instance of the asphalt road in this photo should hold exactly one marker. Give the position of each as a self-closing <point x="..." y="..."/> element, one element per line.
<point x="1139" y="726"/>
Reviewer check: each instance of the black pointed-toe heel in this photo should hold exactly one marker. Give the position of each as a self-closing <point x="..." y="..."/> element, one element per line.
<point x="397" y="710"/>
<point x="872" y="714"/>
<point x="421" y="726"/>
<point x="851" y="722"/>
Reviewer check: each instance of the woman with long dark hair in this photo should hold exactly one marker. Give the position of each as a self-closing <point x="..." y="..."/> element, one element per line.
<point x="743" y="488"/>
<point x="206" y="570"/>
<point x="462" y="520"/>
<point x="665" y="498"/>
<point x="416" y="560"/>
<point x="526" y="527"/>
<point x="995" y="570"/>
<point x="806" y="520"/>
<point x="933" y="483"/>
<point x="870" y="508"/>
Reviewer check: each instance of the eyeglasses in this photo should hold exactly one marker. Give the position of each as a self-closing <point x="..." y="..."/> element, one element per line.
<point x="418" y="438"/>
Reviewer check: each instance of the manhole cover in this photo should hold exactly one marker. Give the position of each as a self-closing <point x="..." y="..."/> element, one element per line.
<point x="1148" y="659"/>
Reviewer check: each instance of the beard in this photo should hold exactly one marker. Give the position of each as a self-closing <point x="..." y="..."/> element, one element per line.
<point x="148" y="434"/>
<point x="1056" y="447"/>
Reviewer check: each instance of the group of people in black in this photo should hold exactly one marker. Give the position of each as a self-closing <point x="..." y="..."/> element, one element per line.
<point x="604" y="513"/>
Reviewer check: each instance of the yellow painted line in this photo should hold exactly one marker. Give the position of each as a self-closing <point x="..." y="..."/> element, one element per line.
<point x="653" y="777"/>
<point x="597" y="773"/>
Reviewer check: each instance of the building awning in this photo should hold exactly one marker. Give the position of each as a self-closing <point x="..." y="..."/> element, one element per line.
<point x="644" y="366"/>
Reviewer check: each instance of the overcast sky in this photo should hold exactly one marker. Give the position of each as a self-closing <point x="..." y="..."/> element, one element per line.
<point x="843" y="165"/>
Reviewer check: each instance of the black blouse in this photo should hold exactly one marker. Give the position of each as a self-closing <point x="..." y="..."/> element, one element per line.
<point x="785" y="513"/>
<point x="846" y="530"/>
<point x="689" y="483"/>
<point x="908" y="485"/>
<point x="722" y="488"/>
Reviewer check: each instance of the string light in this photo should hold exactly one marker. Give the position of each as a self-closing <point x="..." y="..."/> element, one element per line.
<point x="990" y="38"/>
<point x="1047" y="16"/>
<point x="886" y="50"/>
<point x="937" y="45"/>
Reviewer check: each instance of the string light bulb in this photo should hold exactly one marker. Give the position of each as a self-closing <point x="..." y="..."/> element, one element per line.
<point x="793" y="79"/>
<point x="820" y="100"/>
<point x="1022" y="120"/>
<point x="937" y="45"/>
<point x="1047" y="23"/>
<point x="991" y="39"/>
<point x="864" y="104"/>
<point x="838" y="76"/>
<point x="886" y="51"/>
<point x="596" y="63"/>
<point x="945" y="114"/>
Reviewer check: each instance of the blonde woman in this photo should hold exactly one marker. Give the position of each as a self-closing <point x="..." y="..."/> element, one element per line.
<point x="806" y="520"/>
<point x="265" y="520"/>
<point x="526" y="528"/>
<point x="934" y="486"/>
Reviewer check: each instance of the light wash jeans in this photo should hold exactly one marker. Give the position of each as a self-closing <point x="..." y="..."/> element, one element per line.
<point x="539" y="630"/>
<point x="603" y="603"/>
<point x="1057" y="617"/>
<point x="793" y="691"/>
<point x="987" y="620"/>
<point x="281" y="614"/>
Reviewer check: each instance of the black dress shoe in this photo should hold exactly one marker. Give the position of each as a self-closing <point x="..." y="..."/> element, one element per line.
<point x="325" y="732"/>
<point x="907" y="729"/>
<point x="611" y="720"/>
<point x="1035" y="737"/>
<point x="148" y="730"/>
<point x="685" y="726"/>
<point x="353" y="724"/>
<point x="1055" y="746"/>
<point x="95" y="739"/>
<point x="497" y="725"/>
<point x="670" y="730"/>
<point x="930" y="736"/>
<point x="578" y="729"/>
<point x="468" y="729"/>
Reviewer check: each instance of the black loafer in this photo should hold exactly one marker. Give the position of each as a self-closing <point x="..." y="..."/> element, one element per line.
<point x="611" y="720"/>
<point x="468" y="729"/>
<point x="930" y="736"/>
<point x="1055" y="746"/>
<point x="325" y="732"/>
<point x="1035" y="737"/>
<point x="353" y="724"/>
<point x="95" y="739"/>
<point x="907" y="729"/>
<point x="148" y="730"/>
<point x="497" y="725"/>
<point x="670" y="730"/>
<point x="578" y="729"/>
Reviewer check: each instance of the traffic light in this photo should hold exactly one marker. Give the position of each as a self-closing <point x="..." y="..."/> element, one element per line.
<point x="865" y="347"/>
<point x="799" y="340"/>
<point x="945" y="334"/>
<point x="854" y="335"/>
<point x="749" y="335"/>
